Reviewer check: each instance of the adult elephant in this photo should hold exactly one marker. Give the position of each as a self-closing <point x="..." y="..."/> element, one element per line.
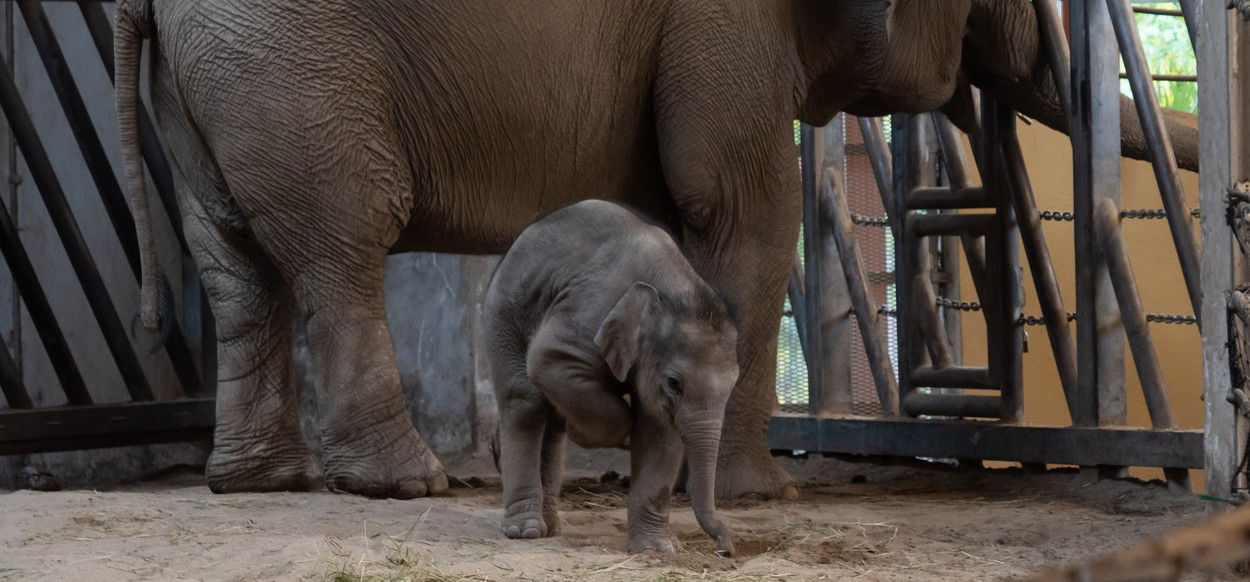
<point x="312" y="138"/>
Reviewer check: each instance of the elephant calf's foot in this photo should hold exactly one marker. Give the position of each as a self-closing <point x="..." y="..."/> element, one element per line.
<point x="260" y="470"/>
<point x="662" y="543"/>
<point x="526" y="520"/>
<point x="404" y="469"/>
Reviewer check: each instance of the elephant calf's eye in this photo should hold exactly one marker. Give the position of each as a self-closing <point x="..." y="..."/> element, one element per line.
<point x="672" y="385"/>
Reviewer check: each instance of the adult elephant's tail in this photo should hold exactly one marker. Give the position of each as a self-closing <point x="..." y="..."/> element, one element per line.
<point x="134" y="23"/>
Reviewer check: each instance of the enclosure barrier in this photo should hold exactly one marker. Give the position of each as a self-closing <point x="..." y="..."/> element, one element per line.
<point x="939" y="408"/>
<point x="82" y="423"/>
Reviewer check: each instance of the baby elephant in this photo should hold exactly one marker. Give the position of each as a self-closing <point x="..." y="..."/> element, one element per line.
<point x="600" y="329"/>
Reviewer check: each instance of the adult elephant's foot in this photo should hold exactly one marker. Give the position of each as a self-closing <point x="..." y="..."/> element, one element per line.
<point x="525" y="519"/>
<point x="260" y="468"/>
<point x="752" y="473"/>
<point x="372" y="466"/>
<point x="663" y="543"/>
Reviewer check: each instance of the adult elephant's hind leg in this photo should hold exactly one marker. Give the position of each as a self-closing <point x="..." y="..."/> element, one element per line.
<point x="369" y="444"/>
<point x="257" y="444"/>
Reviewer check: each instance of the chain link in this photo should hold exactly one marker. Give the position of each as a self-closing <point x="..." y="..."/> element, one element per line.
<point x="1131" y="214"/>
<point x="864" y="220"/>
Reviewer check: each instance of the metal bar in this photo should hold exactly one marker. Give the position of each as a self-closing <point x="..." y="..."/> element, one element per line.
<point x="952" y="152"/>
<point x="1040" y="263"/>
<point x="1160" y="144"/>
<point x="1006" y="339"/>
<point x="1168" y="78"/>
<point x="797" y="307"/>
<point x="834" y="325"/>
<point x="955" y="377"/>
<point x="924" y="303"/>
<point x="922" y="300"/>
<point x="1149" y="371"/>
<point x="903" y="256"/>
<point x="882" y="168"/>
<point x="1095" y="131"/>
<point x="101" y="171"/>
<point x="98" y="24"/>
<point x="812" y="287"/>
<point x="1189" y="10"/>
<point x="11" y="384"/>
<point x="40" y="311"/>
<point x="988" y="441"/>
<point x="71" y="237"/>
<point x="921" y="225"/>
<point x="942" y="198"/>
<point x="1222" y="122"/>
<point x="1146" y="360"/>
<point x="1157" y="11"/>
<point x="836" y="217"/>
<point x="1056" y="44"/>
<point x="958" y="405"/>
<point x="105" y="425"/>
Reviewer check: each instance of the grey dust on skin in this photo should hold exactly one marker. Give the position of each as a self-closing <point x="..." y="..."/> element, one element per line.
<point x="601" y="331"/>
<point x="312" y="139"/>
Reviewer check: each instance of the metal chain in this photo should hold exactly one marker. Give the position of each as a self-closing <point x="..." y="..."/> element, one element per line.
<point x="1057" y="216"/>
<point x="864" y="220"/>
<point x="1171" y="318"/>
<point x="1130" y="214"/>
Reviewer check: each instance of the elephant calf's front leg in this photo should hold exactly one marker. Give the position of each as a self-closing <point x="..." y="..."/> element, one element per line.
<point x="655" y="460"/>
<point x="524" y="415"/>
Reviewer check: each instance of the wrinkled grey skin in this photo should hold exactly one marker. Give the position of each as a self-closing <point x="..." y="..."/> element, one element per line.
<point x="314" y="137"/>
<point x="593" y="304"/>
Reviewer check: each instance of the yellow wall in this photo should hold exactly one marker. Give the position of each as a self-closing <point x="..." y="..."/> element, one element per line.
<point x="1049" y="159"/>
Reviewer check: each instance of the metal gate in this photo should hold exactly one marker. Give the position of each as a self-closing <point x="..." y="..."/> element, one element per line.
<point x="903" y="304"/>
<point x="83" y="423"/>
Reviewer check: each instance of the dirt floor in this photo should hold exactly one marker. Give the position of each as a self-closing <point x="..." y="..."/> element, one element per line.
<point x="856" y="521"/>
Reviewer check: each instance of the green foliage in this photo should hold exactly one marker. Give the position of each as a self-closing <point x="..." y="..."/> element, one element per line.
<point x="1169" y="52"/>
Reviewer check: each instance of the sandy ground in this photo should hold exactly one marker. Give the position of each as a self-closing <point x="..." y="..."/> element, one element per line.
<point x="854" y="522"/>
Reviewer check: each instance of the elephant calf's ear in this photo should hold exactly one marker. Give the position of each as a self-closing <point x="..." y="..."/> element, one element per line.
<point x="620" y="334"/>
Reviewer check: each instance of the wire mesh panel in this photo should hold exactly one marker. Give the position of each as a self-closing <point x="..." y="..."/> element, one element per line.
<point x="876" y="246"/>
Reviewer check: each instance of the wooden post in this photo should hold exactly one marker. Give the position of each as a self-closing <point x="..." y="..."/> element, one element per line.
<point x="1096" y="162"/>
<point x="1222" y="125"/>
<point x="1003" y="302"/>
<point x="1040" y="264"/>
<point x="827" y="306"/>
<point x="1146" y="360"/>
<point x="836" y="216"/>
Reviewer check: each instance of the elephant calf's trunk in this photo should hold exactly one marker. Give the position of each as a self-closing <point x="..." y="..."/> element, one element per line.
<point x="702" y="445"/>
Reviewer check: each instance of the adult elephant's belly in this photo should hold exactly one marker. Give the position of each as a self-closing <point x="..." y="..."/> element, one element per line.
<point x="472" y="212"/>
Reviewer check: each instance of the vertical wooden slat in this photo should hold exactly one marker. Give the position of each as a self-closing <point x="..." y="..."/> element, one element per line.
<point x="834" y="323"/>
<point x="836" y="216"/>
<point x="905" y="320"/>
<point x="1096" y="163"/>
<point x="1040" y="264"/>
<point x="1221" y="126"/>
<point x="1003" y="302"/>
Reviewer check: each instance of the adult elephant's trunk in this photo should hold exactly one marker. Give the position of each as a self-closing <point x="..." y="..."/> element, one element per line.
<point x="1004" y="55"/>
<point x="702" y="441"/>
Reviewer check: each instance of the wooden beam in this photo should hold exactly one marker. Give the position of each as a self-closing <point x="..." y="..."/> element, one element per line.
<point x="105" y="425"/>
<point x="1221" y="121"/>
<point x="855" y="435"/>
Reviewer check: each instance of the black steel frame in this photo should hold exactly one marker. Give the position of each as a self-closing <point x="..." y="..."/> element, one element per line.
<point x="937" y="423"/>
